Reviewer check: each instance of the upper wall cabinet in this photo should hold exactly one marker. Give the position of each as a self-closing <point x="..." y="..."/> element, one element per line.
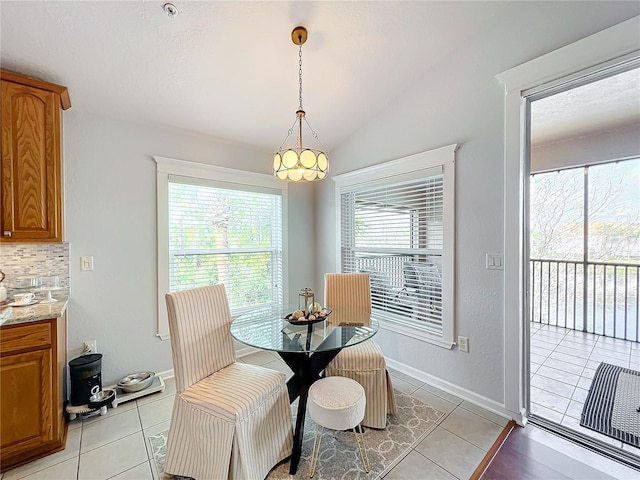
<point x="31" y="168"/>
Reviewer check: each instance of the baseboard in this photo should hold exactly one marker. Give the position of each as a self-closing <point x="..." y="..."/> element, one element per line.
<point x="479" y="400"/>
<point x="166" y="374"/>
<point x="460" y="392"/>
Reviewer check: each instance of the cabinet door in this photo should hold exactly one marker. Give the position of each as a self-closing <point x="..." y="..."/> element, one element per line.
<point x="31" y="169"/>
<point x="26" y="416"/>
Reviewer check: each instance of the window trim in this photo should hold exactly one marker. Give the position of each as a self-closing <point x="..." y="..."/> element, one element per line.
<point x="444" y="158"/>
<point x="166" y="167"/>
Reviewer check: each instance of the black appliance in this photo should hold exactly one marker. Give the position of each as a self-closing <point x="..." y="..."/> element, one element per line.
<point x="85" y="373"/>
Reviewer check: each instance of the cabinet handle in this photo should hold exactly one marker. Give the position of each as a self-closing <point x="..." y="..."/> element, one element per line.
<point x="7" y="233"/>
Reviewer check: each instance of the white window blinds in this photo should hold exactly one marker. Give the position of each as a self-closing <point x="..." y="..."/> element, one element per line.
<point x="227" y="233"/>
<point x="393" y="230"/>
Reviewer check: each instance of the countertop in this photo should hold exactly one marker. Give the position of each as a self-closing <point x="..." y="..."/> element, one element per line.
<point x="39" y="311"/>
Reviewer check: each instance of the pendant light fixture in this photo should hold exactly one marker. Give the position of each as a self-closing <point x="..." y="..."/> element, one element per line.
<point x="300" y="164"/>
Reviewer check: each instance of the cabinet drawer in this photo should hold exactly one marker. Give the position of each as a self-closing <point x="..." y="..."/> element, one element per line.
<point x="25" y="337"/>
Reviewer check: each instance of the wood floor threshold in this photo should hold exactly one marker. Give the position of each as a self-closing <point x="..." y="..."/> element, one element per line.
<point x="477" y="473"/>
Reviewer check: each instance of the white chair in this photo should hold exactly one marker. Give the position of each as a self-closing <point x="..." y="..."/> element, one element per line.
<point x="337" y="403"/>
<point x="363" y="362"/>
<point x="230" y="420"/>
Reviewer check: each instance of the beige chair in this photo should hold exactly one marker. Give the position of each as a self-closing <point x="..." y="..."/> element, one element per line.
<point x="230" y="420"/>
<point x="364" y="362"/>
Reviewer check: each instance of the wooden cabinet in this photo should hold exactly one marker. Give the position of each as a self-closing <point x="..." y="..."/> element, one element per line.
<point x="32" y="366"/>
<point x="31" y="167"/>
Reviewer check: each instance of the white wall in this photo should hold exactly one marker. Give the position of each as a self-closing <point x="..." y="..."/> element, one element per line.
<point x="460" y="101"/>
<point x="110" y="213"/>
<point x="587" y="149"/>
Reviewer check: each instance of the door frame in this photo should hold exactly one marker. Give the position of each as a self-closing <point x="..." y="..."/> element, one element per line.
<point x="610" y="48"/>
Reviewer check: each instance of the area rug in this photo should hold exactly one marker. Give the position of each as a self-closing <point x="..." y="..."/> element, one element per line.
<point x="612" y="404"/>
<point x="339" y="455"/>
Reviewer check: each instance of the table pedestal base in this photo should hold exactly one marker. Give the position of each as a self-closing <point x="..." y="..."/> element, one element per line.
<point x="306" y="370"/>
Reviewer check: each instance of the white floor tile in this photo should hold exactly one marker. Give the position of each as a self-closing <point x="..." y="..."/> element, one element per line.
<point x="156" y="429"/>
<point x="141" y="472"/>
<point x="575" y="409"/>
<point x="452" y="453"/>
<point x="536" y="358"/>
<point x="563" y="366"/>
<point x="408" y="378"/>
<point x="111" y="412"/>
<point x="156" y="412"/>
<point x="435" y="401"/>
<point x="533" y="368"/>
<point x="472" y="428"/>
<point x="572" y="359"/>
<point x="549" y="400"/>
<point x="402" y="386"/>
<point x="110" y="429"/>
<point x="577" y="353"/>
<point x="169" y="391"/>
<point x="112" y="459"/>
<point x="585" y="383"/>
<point x="67" y="470"/>
<point x="484" y="413"/>
<point x="442" y="394"/>
<point x="72" y="450"/>
<point x="580" y="395"/>
<point x="553" y="386"/>
<point x="416" y="466"/>
<point x="564" y="377"/>
<point x="545" y="412"/>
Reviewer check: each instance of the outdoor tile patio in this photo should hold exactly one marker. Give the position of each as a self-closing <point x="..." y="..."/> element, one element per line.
<point x="563" y="363"/>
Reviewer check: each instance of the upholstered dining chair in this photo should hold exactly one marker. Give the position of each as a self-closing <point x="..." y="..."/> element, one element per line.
<point x="230" y="420"/>
<point x="363" y="362"/>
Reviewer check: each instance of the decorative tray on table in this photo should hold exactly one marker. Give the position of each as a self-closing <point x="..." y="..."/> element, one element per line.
<point x="318" y="317"/>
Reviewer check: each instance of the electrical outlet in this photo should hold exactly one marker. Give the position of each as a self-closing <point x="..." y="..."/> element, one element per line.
<point x="463" y="344"/>
<point x="89" y="347"/>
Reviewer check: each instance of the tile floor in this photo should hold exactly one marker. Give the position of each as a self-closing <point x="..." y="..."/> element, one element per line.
<point x="114" y="446"/>
<point x="563" y="363"/>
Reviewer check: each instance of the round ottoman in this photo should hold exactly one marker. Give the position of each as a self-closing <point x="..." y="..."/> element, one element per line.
<point x="337" y="403"/>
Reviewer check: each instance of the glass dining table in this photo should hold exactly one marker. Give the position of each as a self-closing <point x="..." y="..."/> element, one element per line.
<point x="306" y="347"/>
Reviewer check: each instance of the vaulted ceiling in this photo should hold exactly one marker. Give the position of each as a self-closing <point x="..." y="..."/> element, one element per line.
<point x="230" y="69"/>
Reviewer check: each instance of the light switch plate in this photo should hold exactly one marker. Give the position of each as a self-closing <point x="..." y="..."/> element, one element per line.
<point x="86" y="263"/>
<point x="494" y="262"/>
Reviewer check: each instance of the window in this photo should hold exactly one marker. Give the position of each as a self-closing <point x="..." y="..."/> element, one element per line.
<point x="219" y="231"/>
<point x="396" y="223"/>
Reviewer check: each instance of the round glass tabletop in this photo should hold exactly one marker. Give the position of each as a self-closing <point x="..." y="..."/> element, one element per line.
<point x="271" y="332"/>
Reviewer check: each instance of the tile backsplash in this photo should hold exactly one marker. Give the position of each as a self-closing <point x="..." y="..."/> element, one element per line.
<point x="35" y="259"/>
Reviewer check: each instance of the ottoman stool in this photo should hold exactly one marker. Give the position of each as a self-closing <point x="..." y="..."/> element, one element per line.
<point x="337" y="403"/>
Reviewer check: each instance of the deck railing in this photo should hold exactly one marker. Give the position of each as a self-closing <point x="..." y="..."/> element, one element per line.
<point x="594" y="297"/>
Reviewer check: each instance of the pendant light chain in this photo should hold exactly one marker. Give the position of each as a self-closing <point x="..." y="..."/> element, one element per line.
<point x="300" y="74"/>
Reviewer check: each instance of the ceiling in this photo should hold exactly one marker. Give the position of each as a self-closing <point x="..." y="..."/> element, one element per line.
<point x="229" y="69"/>
<point x="604" y="105"/>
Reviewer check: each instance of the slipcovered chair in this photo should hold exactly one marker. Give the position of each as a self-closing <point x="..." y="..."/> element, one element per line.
<point x="230" y="420"/>
<point x="363" y="362"/>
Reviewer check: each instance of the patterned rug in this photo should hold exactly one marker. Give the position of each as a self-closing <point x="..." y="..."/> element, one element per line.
<point x="612" y="406"/>
<point x="339" y="455"/>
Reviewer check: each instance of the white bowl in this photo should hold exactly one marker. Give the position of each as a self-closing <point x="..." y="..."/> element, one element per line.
<point x="136" y="381"/>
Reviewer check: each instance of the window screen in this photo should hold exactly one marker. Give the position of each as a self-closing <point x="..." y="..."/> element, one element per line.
<point x="225" y="233"/>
